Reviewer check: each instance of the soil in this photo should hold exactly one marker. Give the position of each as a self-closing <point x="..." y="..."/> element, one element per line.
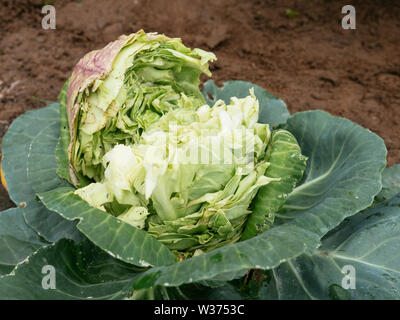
<point x="306" y="58"/>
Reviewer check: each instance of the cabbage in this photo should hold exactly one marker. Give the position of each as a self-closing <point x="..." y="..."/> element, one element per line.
<point x="146" y="148"/>
<point x="148" y="226"/>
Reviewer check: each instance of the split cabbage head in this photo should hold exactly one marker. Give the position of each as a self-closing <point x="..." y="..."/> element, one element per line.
<point x="146" y="148"/>
<point x="166" y="178"/>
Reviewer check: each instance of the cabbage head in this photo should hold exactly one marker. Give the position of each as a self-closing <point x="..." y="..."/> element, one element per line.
<point x="146" y="148"/>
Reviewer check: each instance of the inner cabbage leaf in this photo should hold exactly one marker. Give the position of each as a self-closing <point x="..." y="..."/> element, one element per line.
<point x="190" y="178"/>
<point x="149" y="77"/>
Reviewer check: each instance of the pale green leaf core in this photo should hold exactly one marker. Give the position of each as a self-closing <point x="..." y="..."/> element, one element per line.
<point x="191" y="176"/>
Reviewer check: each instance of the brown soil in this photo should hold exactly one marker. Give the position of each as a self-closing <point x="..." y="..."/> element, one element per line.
<point x="308" y="60"/>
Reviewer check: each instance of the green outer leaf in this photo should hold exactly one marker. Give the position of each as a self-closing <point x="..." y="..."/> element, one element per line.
<point x="390" y="183"/>
<point x="41" y="163"/>
<point x="368" y="241"/>
<point x="191" y="292"/>
<point x="272" y="109"/>
<point x="245" y="288"/>
<point x="49" y="225"/>
<point x="159" y="293"/>
<point x="343" y="174"/>
<point x="42" y="177"/>
<point x="286" y="163"/>
<point x="16" y="144"/>
<point x="355" y="157"/>
<point x="63" y="141"/>
<point x="34" y="134"/>
<point x="17" y="240"/>
<point x="265" y="251"/>
<point x="6" y="269"/>
<point x="116" y="237"/>
<point x="196" y="292"/>
<point x="82" y="271"/>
